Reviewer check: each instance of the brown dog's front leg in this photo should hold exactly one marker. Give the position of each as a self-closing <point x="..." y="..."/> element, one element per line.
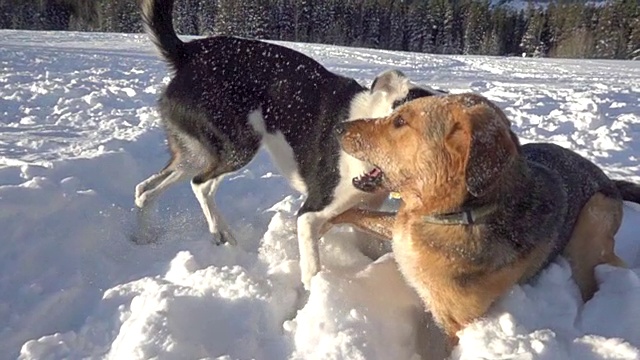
<point x="377" y="223"/>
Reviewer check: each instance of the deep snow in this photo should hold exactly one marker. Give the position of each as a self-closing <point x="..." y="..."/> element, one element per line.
<point x="78" y="131"/>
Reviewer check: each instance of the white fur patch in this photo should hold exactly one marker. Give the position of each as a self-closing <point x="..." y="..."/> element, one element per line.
<point x="395" y="84"/>
<point x="367" y="105"/>
<point x="280" y="151"/>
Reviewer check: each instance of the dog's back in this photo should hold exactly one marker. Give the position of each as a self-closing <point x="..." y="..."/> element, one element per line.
<point x="235" y="76"/>
<point x="581" y="179"/>
<point x="242" y="75"/>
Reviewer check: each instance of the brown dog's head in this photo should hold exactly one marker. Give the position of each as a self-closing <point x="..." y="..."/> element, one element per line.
<point x="455" y="143"/>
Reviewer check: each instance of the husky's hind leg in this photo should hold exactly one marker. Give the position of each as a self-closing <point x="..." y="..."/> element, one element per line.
<point x="230" y="156"/>
<point x="146" y="194"/>
<point x="204" y="188"/>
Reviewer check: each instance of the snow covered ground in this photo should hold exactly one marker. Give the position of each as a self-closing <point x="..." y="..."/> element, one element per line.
<point x="78" y="131"/>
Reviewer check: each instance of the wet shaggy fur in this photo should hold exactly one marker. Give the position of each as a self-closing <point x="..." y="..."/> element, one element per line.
<point x="230" y="96"/>
<point x="457" y="153"/>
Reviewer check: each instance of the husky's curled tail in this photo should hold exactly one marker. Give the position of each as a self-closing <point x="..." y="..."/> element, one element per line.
<point x="157" y="18"/>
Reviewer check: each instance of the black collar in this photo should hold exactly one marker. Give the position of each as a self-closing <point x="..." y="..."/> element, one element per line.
<point x="464" y="217"/>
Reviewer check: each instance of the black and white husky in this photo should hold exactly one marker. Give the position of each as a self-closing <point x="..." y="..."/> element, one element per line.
<point x="230" y="96"/>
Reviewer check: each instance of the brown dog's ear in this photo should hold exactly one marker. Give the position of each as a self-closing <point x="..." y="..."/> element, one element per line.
<point x="482" y="145"/>
<point x="491" y="149"/>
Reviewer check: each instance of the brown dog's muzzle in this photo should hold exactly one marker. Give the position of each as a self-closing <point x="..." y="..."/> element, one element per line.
<point x="353" y="139"/>
<point x="351" y="135"/>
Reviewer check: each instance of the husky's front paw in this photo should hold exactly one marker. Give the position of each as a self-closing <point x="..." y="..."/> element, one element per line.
<point x="224" y="237"/>
<point x="140" y="201"/>
<point x="307" y="271"/>
<point x="140" y="196"/>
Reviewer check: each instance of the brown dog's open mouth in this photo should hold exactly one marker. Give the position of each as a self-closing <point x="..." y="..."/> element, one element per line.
<point x="370" y="181"/>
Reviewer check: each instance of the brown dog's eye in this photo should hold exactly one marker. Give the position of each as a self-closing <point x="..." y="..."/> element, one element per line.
<point x="399" y="122"/>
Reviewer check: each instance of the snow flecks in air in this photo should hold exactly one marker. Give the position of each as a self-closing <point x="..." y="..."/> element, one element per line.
<point x="79" y="129"/>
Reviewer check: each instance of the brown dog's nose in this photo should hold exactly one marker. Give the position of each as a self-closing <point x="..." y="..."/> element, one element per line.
<point x="339" y="129"/>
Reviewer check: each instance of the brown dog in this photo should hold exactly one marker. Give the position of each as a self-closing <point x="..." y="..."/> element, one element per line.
<point x="480" y="212"/>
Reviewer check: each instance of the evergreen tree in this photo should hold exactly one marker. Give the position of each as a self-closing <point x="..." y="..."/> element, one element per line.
<point x="55" y="16"/>
<point x="206" y="17"/>
<point x="502" y="30"/>
<point x="438" y="37"/>
<point x="127" y="17"/>
<point x="397" y="34"/>
<point x="449" y="44"/>
<point x="322" y="15"/>
<point x="336" y="26"/>
<point x="353" y="21"/>
<point x="370" y="24"/>
<point x="531" y="43"/>
<point x="475" y="27"/>
<point x="282" y="21"/>
<point x="227" y="16"/>
<point x="255" y="19"/>
<point x="633" y="44"/>
<point x="384" y="26"/>
<point x="609" y="34"/>
<point x="630" y="27"/>
<point x="419" y="23"/>
<point x="302" y="10"/>
<point x="572" y="35"/>
<point x="184" y="19"/>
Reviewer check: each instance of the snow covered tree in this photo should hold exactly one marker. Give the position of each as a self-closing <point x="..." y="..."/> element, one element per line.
<point x="448" y="43"/>
<point x="397" y="33"/>
<point x="227" y="16"/>
<point x="352" y="18"/>
<point x="491" y="43"/>
<point x="339" y="30"/>
<point x="302" y="10"/>
<point x="609" y="35"/>
<point x="438" y="11"/>
<point x="531" y="43"/>
<point x="206" y="17"/>
<point x="503" y="32"/>
<point x="475" y="27"/>
<point x="633" y="44"/>
<point x="574" y="36"/>
<point x="322" y="15"/>
<point x="282" y="21"/>
<point x="119" y="16"/>
<point x="184" y="16"/>
<point x="630" y="23"/>
<point x="255" y="22"/>
<point x="370" y="24"/>
<point x="420" y="24"/>
<point x="48" y="14"/>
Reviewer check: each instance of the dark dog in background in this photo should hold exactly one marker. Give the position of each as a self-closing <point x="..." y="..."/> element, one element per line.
<point x="230" y="96"/>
